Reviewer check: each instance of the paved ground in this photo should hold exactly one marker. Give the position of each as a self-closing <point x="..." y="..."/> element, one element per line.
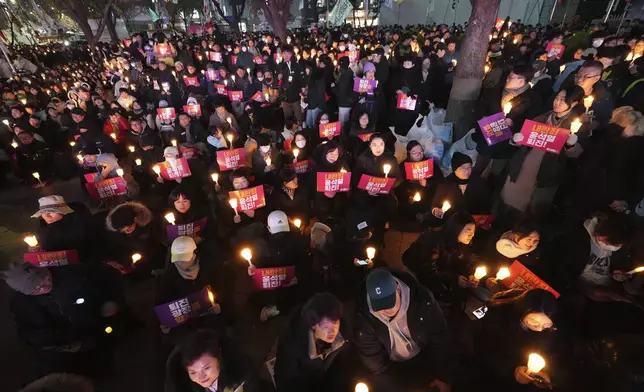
<point x="135" y="358"/>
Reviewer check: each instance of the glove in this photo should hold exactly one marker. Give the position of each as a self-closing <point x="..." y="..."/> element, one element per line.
<point x="572" y="139"/>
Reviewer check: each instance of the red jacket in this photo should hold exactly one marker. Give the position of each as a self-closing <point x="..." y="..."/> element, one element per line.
<point x="119" y="128"/>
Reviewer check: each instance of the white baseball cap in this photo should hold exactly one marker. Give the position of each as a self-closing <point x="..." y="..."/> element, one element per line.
<point x="183" y="248"/>
<point x="278" y="222"/>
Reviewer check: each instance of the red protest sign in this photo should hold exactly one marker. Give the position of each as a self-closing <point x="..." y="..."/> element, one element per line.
<point x="90" y="177"/>
<point x="542" y="136"/>
<point x="405" y="103"/>
<point x="249" y="199"/>
<point x="191" y="81"/>
<point x="177" y="169"/>
<point x="122" y="269"/>
<point x="499" y="24"/>
<point x="215" y="56"/>
<point x="333" y="181"/>
<point x="127" y="43"/>
<point x="104" y="189"/>
<point x="380" y="185"/>
<point x="166" y="114"/>
<point x="257" y="97"/>
<point x="192" y="110"/>
<point x="162" y="49"/>
<point x="188" y="152"/>
<point x="287" y="145"/>
<point x="484" y="221"/>
<point x="231" y="159"/>
<point x="221" y="89"/>
<point x="273" y="278"/>
<point x="211" y="75"/>
<point x="365" y="136"/>
<point x="235" y="96"/>
<point x="52" y="259"/>
<point x="302" y="166"/>
<point x="330" y="129"/>
<point x="419" y="170"/>
<point x="258" y="60"/>
<point x="354" y="55"/>
<point x="233" y="59"/>
<point x="555" y="50"/>
<point x="524" y="279"/>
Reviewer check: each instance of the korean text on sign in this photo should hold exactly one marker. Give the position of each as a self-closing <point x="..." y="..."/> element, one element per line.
<point x="231" y="159"/>
<point x="524" y="279"/>
<point x="406" y="103"/>
<point x="192" y="229"/>
<point x="181" y="310"/>
<point x="542" y="136"/>
<point x="495" y="129"/>
<point x="333" y="182"/>
<point x="179" y="169"/>
<point x="166" y="114"/>
<point x="249" y="199"/>
<point x="104" y="189"/>
<point x="52" y="259"/>
<point x="419" y="170"/>
<point x="379" y="185"/>
<point x="273" y="278"/>
<point x="330" y="129"/>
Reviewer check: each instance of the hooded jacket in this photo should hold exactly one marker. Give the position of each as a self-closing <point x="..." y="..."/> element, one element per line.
<point x="426" y="324"/>
<point x="371" y="165"/>
<point x="143" y="240"/>
<point x="73" y="231"/>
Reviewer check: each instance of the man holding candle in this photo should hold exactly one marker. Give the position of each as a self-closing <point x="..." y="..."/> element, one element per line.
<point x="401" y="334"/>
<point x="589" y="78"/>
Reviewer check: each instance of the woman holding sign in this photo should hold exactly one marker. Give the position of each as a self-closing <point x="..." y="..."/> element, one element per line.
<point x="330" y="161"/>
<point x="417" y="190"/>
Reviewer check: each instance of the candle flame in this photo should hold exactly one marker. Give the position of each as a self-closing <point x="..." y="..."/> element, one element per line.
<point x="536" y="363"/>
<point x="507" y="108"/>
<point x="211" y="297"/>
<point x="296" y="152"/>
<point x="36" y="175"/>
<point x="503" y="273"/>
<point x="371" y="253"/>
<point x="446" y="206"/>
<point x="136" y="257"/>
<point x="297" y="222"/>
<point x="480" y="272"/>
<point x="361" y="387"/>
<point x="131" y="148"/>
<point x="170" y="218"/>
<point x="174" y="142"/>
<point x="233" y="203"/>
<point x="247" y="254"/>
<point x="386" y="168"/>
<point x="215" y="177"/>
<point x="575" y="125"/>
<point x="156" y="169"/>
<point x="138" y="162"/>
<point x="120" y="172"/>
<point x="31" y="240"/>
<point x="417" y="197"/>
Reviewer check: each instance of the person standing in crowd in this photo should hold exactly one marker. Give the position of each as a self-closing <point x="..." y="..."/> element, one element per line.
<point x="589" y="78"/>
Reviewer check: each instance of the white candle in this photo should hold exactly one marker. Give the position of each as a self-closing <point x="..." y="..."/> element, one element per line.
<point x="386" y="168"/>
<point x="588" y="102"/>
<point x="136" y="257"/>
<point x="361" y="387"/>
<point x="480" y="272"/>
<point x="575" y="125"/>
<point x="233" y="205"/>
<point x="636" y="270"/>
<point x="131" y="148"/>
<point x="230" y="140"/>
<point x="157" y="170"/>
<point x="137" y="162"/>
<point x="247" y="255"/>
<point x="416" y="197"/>
<point x="173" y="142"/>
<point x="31" y="240"/>
<point x="120" y="172"/>
<point x="297" y="222"/>
<point x="14" y="144"/>
<point x="536" y="363"/>
<point x="507" y="108"/>
<point x="113" y="135"/>
<point x="215" y="177"/>
<point x="446" y="206"/>
<point x="72" y="144"/>
<point x="503" y="273"/>
<point x="170" y="218"/>
<point x="296" y="152"/>
<point x="371" y="253"/>
<point x="268" y="161"/>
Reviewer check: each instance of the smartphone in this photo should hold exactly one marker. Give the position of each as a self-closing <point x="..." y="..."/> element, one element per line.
<point x="363" y="262"/>
<point x="480" y="312"/>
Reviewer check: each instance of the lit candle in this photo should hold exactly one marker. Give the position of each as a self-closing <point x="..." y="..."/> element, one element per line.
<point x="588" y="102"/>
<point x="268" y="161"/>
<point x="108" y="330"/>
<point x="361" y="387"/>
<point x="72" y="144"/>
<point x="211" y="297"/>
<point x="14" y="144"/>
<point x="80" y="158"/>
<point x="233" y="205"/>
<point x="225" y="82"/>
<point x="536" y="363"/>
<point x="446" y="206"/>
<point x="157" y="170"/>
<point x="343" y="170"/>
<point x="215" y="177"/>
<point x="174" y="74"/>
<point x="296" y="152"/>
<point x="120" y="172"/>
<point x="232" y="77"/>
<point x="137" y="161"/>
<point x="266" y="96"/>
<point x="5" y="122"/>
<point x="248" y="70"/>
<point x="113" y="135"/>
<point x="507" y="108"/>
<point x="489" y="37"/>
<point x="503" y="273"/>
<point x="36" y="176"/>
<point x="629" y="57"/>
<point x="170" y="218"/>
<point x="131" y="148"/>
<point x="247" y="255"/>
<point x="416" y="197"/>
<point x="371" y="253"/>
<point x="136" y="257"/>
<point x="562" y="68"/>
<point x="636" y="270"/>
<point x="454" y="62"/>
<point x="480" y="272"/>
<point x="386" y="168"/>
<point x="31" y="240"/>
<point x="575" y="125"/>
<point x="173" y="142"/>
<point x="297" y="222"/>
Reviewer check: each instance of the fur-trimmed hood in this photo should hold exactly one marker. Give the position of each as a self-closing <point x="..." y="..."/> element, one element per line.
<point x="631" y="120"/>
<point x="143" y="215"/>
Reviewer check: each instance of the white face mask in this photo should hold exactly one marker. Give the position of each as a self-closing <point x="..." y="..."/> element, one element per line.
<point x="260" y="78"/>
<point x="300" y="143"/>
<point x="342" y="48"/>
<point x="265" y="149"/>
<point x="244" y="49"/>
<point x="597" y="43"/>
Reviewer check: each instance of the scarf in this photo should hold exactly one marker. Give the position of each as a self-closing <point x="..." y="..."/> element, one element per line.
<point x="191" y="272"/>
<point x="289" y="192"/>
<point x="510" y="249"/>
<point x="509" y="95"/>
<point x="557" y="121"/>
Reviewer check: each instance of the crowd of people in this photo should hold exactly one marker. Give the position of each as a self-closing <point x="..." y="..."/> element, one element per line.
<point x="214" y="162"/>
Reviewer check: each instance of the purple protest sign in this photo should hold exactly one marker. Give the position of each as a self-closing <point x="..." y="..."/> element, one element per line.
<point x="495" y="129"/>
<point x="193" y="229"/>
<point x="181" y="310"/>
<point x="361" y="85"/>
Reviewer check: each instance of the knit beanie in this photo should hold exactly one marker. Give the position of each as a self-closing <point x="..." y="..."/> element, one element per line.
<point x="459" y="159"/>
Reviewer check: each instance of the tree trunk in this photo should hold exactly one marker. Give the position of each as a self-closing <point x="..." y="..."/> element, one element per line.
<point x="110" y="24"/>
<point x="277" y="13"/>
<point x="79" y="14"/>
<point x="470" y="72"/>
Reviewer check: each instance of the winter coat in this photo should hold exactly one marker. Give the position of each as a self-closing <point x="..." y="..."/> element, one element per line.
<point x="173" y="286"/>
<point x="291" y="89"/>
<point x="603" y="103"/>
<point x="56" y="318"/>
<point x="343" y="89"/>
<point x="371" y="165"/>
<point x="476" y="199"/>
<point x="426" y="324"/>
<point x="95" y="139"/>
<point x="197" y="133"/>
<point x="298" y="207"/>
<point x="317" y="90"/>
<point x="295" y="368"/>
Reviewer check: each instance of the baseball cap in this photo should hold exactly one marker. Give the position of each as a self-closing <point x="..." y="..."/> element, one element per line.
<point x="183" y="248"/>
<point x="381" y="289"/>
<point x="278" y="222"/>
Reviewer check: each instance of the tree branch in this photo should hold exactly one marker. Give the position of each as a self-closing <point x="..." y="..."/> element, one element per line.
<point x="106" y="13"/>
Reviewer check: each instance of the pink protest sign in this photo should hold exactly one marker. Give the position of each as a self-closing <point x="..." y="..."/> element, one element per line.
<point x="365" y="136"/>
<point x="495" y="129"/>
<point x="177" y="169"/>
<point x="215" y="56"/>
<point x="555" y="50"/>
<point x="524" y="279"/>
<point x="191" y="81"/>
<point x="484" y="221"/>
<point x="301" y="166"/>
<point x="166" y="114"/>
<point x="211" y="75"/>
<point x="52" y="259"/>
<point x="105" y="189"/>
<point x="221" y="89"/>
<point x="273" y="278"/>
<point x="231" y="159"/>
<point x="192" y="229"/>
<point x="249" y="199"/>
<point x="380" y="185"/>
<point x="333" y="181"/>
<point x="188" y="152"/>
<point x="362" y="85"/>
<point x="419" y="170"/>
<point x="405" y="103"/>
<point x="330" y="129"/>
<point x="542" y="136"/>
<point x="258" y="60"/>
<point x="192" y="110"/>
<point x="235" y="96"/>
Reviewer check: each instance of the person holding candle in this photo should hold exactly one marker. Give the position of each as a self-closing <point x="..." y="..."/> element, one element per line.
<point x="266" y="160"/>
<point x="220" y="118"/>
<point x="285" y="138"/>
<point x="534" y="175"/>
<point x="243" y="224"/>
<point x="442" y="259"/>
<point x="291" y="197"/>
<point x="117" y="124"/>
<point x="518" y="323"/>
<point x="187" y="208"/>
<point x="189" y="133"/>
<point x="329" y="157"/>
<point x="312" y="351"/>
<point x="34" y="156"/>
<point x="380" y="207"/>
<point x="361" y="127"/>
<point x="462" y="191"/>
<point x="589" y="78"/>
<point x="410" y="190"/>
<point x="401" y="334"/>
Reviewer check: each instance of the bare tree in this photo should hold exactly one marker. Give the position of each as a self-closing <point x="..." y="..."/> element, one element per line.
<point x="238" y="7"/>
<point x="277" y="13"/>
<point x="81" y="11"/>
<point x="470" y="72"/>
